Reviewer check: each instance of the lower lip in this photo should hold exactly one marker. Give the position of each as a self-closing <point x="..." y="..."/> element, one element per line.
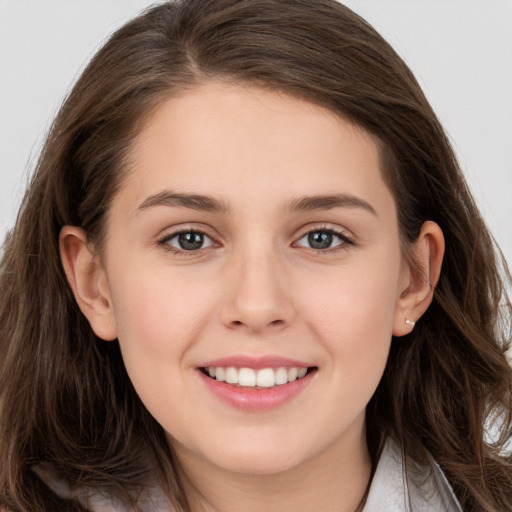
<point x="262" y="399"/>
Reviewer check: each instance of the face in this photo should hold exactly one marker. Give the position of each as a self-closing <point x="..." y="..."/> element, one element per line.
<point x="254" y="240"/>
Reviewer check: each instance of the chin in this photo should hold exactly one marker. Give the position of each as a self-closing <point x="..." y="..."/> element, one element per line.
<point x="266" y="457"/>
<point x="262" y="464"/>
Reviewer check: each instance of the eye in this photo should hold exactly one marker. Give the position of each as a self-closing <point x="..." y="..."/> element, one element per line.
<point x="323" y="239"/>
<point x="186" y="241"/>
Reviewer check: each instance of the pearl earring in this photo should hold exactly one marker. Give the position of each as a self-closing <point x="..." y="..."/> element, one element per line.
<point x="410" y="322"/>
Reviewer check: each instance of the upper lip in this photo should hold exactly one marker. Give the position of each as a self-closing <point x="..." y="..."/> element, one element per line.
<point x="256" y="362"/>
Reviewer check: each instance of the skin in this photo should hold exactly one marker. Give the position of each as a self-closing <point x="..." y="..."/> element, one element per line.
<point x="256" y="287"/>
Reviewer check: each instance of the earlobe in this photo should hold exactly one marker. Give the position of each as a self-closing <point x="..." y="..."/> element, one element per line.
<point x="88" y="281"/>
<point x="420" y="278"/>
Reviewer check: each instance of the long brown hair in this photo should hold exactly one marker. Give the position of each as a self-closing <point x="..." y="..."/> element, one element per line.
<point x="65" y="397"/>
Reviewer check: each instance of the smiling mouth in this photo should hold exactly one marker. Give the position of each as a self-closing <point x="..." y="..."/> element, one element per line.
<point x="263" y="378"/>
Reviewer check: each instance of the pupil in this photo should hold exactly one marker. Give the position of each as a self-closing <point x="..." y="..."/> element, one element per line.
<point x="320" y="240"/>
<point x="190" y="241"/>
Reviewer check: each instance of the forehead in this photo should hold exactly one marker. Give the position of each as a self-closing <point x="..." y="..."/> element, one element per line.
<point x="228" y="139"/>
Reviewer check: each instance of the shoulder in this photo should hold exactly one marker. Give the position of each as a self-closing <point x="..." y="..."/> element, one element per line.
<point x="401" y="485"/>
<point x="152" y="499"/>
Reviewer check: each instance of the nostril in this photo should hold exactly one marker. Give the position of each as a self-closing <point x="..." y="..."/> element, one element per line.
<point x="273" y="323"/>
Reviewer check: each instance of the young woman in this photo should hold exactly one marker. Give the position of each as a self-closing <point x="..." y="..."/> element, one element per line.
<point x="248" y="275"/>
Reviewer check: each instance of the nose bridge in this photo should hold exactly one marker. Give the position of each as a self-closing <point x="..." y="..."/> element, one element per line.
<point x="257" y="297"/>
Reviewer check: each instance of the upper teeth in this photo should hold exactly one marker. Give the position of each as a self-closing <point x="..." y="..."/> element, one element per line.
<point x="263" y="378"/>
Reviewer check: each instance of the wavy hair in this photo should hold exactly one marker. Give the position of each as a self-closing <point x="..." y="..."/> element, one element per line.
<point x="65" y="397"/>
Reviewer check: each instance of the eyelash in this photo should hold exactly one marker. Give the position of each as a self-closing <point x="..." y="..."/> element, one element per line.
<point x="345" y="239"/>
<point x="163" y="242"/>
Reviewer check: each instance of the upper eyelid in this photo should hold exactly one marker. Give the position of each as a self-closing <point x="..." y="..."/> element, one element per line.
<point x="174" y="234"/>
<point x="171" y="232"/>
<point x="337" y="230"/>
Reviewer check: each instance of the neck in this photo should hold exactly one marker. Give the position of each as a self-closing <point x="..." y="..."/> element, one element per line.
<point x="334" y="480"/>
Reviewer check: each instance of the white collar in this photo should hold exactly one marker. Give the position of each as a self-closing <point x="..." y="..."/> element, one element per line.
<point x="401" y="485"/>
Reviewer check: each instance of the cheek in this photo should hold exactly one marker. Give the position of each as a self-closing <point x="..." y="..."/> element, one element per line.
<point x="157" y="303"/>
<point x="352" y="313"/>
<point x="158" y="320"/>
<point x="159" y="317"/>
<point x="355" y="300"/>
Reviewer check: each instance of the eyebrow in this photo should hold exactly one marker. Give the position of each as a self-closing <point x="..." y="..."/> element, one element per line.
<point x="192" y="201"/>
<point x="210" y="204"/>
<point x="327" y="202"/>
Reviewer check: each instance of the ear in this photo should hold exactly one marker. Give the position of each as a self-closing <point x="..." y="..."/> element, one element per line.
<point x="420" y="278"/>
<point x="88" y="280"/>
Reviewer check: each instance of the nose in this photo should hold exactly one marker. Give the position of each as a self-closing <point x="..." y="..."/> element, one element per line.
<point x="257" y="297"/>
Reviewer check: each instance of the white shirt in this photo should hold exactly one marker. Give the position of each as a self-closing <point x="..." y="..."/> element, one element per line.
<point x="401" y="485"/>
